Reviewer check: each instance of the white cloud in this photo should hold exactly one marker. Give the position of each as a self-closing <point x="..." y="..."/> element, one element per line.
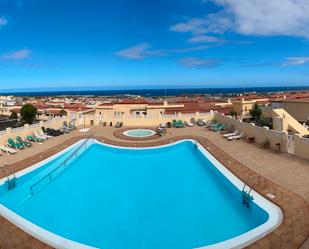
<point x="194" y="62"/>
<point x="139" y="51"/>
<point x="143" y="50"/>
<point x="253" y="17"/>
<point x="3" y="22"/>
<point x="295" y="61"/>
<point x="265" y="17"/>
<point x="205" y="39"/>
<point x="213" y="23"/>
<point x="195" y="25"/>
<point x="17" y="55"/>
<point x="188" y="49"/>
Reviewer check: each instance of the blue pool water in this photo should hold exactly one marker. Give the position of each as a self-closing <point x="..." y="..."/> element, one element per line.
<point x="169" y="197"/>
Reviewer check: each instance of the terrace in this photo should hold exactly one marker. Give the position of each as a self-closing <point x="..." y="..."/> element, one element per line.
<point x="288" y="174"/>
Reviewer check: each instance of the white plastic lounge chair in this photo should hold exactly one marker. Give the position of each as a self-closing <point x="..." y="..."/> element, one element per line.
<point x="42" y="134"/>
<point x="189" y="124"/>
<point x="235" y="133"/>
<point x="36" y="134"/>
<point x="7" y="149"/>
<point x="233" y="138"/>
<point x="163" y="125"/>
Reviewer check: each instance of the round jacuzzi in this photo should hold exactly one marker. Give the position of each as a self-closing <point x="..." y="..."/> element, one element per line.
<point x="139" y="133"/>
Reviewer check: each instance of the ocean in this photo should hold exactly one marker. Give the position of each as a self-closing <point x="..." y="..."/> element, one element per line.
<point x="157" y="92"/>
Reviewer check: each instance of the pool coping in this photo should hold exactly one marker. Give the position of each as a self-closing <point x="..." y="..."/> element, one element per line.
<point x="292" y="233"/>
<point x="240" y="241"/>
<point x="139" y="129"/>
<point x="119" y="134"/>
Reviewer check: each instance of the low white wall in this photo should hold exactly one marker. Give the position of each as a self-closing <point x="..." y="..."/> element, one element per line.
<point x="301" y="147"/>
<point x="153" y="120"/>
<point x="25" y="130"/>
<point x="260" y="134"/>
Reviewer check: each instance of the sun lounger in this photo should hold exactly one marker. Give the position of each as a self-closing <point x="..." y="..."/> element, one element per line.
<point x="72" y="125"/>
<point x="214" y="126"/>
<point x="235" y="133"/>
<point x="43" y="137"/>
<point x="217" y="127"/>
<point x="240" y="136"/>
<point x="64" y="129"/>
<point x="7" y="149"/>
<point x="180" y="124"/>
<point x="42" y="134"/>
<point x="220" y="128"/>
<point x="52" y="132"/>
<point x="161" y="132"/>
<point x="200" y="122"/>
<point x="12" y="144"/>
<point x="163" y="125"/>
<point x="192" y="120"/>
<point x="210" y="124"/>
<point x="118" y="125"/>
<point x="188" y="124"/>
<point x="21" y="141"/>
<point x="34" y="139"/>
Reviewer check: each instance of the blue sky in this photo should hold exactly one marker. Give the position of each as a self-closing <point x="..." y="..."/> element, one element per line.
<point x="131" y="43"/>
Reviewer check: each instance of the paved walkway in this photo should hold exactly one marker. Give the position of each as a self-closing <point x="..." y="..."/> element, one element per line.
<point x="280" y="168"/>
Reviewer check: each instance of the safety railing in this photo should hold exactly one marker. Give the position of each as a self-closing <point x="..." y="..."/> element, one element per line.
<point x="64" y="163"/>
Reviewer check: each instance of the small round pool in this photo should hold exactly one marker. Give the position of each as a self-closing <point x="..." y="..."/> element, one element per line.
<point x="139" y="133"/>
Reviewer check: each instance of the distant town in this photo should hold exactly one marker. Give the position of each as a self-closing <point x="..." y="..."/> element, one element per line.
<point x="294" y="102"/>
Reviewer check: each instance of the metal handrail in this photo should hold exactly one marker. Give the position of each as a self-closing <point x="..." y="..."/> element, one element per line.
<point x="252" y="185"/>
<point x="61" y="164"/>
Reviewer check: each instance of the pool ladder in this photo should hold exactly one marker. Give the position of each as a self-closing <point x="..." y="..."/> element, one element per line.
<point x="195" y="144"/>
<point x="246" y="196"/>
<point x="10" y="177"/>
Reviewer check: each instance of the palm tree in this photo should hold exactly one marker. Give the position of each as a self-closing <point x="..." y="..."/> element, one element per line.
<point x="256" y="112"/>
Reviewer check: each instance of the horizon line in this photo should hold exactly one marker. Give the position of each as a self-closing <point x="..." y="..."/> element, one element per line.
<point x="87" y="89"/>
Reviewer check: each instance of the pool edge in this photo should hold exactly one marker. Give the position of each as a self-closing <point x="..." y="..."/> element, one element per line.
<point x="65" y="243"/>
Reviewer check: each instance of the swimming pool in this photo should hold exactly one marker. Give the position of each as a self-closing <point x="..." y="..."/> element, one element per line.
<point x="139" y="133"/>
<point x="173" y="196"/>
